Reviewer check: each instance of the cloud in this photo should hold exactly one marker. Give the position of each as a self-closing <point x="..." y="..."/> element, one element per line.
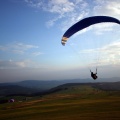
<point x="59" y="6"/>
<point x="107" y="7"/>
<point x="53" y="6"/>
<point x="18" y="48"/>
<point x="108" y="55"/>
<point x="37" y="53"/>
<point x="111" y="52"/>
<point x="3" y="48"/>
<point x="12" y="64"/>
<point x="21" y="64"/>
<point x="70" y="12"/>
<point x="104" y="27"/>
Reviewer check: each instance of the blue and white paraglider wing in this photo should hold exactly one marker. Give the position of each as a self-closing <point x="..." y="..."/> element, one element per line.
<point x="84" y="23"/>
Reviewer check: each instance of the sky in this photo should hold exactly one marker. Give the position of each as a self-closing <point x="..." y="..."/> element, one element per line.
<point x="30" y="40"/>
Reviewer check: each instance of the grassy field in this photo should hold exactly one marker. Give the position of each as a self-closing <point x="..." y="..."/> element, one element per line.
<point x="75" y="103"/>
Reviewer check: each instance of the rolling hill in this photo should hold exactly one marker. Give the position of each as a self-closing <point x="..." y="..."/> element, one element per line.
<point x="35" y="87"/>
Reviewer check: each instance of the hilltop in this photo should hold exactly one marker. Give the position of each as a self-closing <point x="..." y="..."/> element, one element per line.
<point x="35" y="87"/>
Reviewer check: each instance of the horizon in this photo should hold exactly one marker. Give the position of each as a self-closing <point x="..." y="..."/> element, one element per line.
<point x="77" y="80"/>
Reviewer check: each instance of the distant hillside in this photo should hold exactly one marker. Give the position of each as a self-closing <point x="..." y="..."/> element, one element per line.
<point x="46" y="85"/>
<point x="114" y="86"/>
<point x="42" y="85"/>
<point x="36" y="87"/>
<point x="37" y="84"/>
<point x="109" y="86"/>
<point x="82" y="87"/>
<point x="16" y="90"/>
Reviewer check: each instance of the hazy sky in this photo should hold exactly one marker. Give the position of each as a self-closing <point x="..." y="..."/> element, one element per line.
<point x="30" y="40"/>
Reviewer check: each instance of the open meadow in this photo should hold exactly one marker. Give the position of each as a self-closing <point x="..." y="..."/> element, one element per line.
<point x="72" y="103"/>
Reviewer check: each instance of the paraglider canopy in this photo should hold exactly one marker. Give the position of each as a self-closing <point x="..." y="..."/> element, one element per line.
<point x="86" y="22"/>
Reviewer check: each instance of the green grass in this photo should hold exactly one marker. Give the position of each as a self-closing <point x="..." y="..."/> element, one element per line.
<point x="75" y="103"/>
